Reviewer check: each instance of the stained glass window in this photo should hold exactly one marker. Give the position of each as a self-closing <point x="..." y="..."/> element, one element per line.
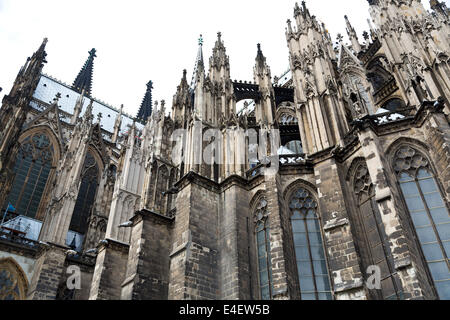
<point x="428" y="212"/>
<point x="12" y="284"/>
<point x="86" y="195"/>
<point x="32" y="169"/>
<point x="309" y="250"/>
<point x="374" y="246"/>
<point x="263" y="250"/>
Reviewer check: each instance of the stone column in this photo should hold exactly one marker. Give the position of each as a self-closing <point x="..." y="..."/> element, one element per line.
<point x="48" y="271"/>
<point x="194" y="259"/>
<point x="235" y="227"/>
<point x="347" y="278"/>
<point x="283" y="273"/>
<point x="147" y="275"/>
<point x="109" y="271"/>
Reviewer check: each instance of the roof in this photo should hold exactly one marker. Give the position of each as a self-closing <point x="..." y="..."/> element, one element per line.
<point x="48" y="87"/>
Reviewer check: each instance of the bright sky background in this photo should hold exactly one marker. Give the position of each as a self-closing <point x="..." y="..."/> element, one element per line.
<point x="142" y="40"/>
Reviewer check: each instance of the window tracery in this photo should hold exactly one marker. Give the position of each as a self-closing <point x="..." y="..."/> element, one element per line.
<point x="428" y="211"/>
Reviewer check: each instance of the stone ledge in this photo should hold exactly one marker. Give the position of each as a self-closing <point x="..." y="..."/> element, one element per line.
<point x="128" y="280"/>
<point x="281" y="294"/>
<point x="193" y="177"/>
<point x="383" y="195"/>
<point x="148" y="214"/>
<point x="335" y="223"/>
<point x="114" y="244"/>
<point x="402" y="263"/>
<point x="180" y="249"/>
<point x="348" y="285"/>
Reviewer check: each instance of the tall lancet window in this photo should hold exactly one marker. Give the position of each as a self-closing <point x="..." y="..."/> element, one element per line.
<point x="309" y="250"/>
<point x="32" y="169"/>
<point x="428" y="212"/>
<point x="373" y="243"/>
<point x="86" y="195"/>
<point x="263" y="250"/>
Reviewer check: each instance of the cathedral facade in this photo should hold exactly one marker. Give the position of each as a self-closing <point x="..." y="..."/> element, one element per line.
<point x="331" y="183"/>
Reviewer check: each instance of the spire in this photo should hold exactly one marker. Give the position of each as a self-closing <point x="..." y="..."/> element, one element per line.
<point x="219" y="57"/>
<point x="199" y="64"/>
<point x="41" y="54"/>
<point x="439" y="7"/>
<point x="84" y="78"/>
<point x="304" y="18"/>
<point x="261" y="70"/>
<point x="34" y="65"/>
<point x="219" y="62"/>
<point x="260" y="59"/>
<point x="78" y="107"/>
<point x="145" y="110"/>
<point x="353" y="36"/>
<point x="88" y="113"/>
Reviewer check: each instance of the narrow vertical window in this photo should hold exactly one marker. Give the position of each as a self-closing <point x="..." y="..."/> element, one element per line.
<point x="373" y="243"/>
<point x="309" y="249"/>
<point x="263" y="250"/>
<point x="86" y="195"/>
<point x="428" y="212"/>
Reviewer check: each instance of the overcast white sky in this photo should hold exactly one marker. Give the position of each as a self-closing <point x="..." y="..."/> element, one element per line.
<point x="139" y="40"/>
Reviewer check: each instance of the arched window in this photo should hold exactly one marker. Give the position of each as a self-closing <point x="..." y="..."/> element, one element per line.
<point x="32" y="169"/>
<point x="263" y="250"/>
<point x="13" y="282"/>
<point x="394" y="104"/>
<point x="295" y="146"/>
<point x="377" y="74"/>
<point x="86" y="195"/>
<point x="309" y="249"/>
<point x="428" y="212"/>
<point x="286" y="119"/>
<point x="374" y="246"/>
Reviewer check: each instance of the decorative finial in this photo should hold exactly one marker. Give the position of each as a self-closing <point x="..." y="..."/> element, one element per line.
<point x="366" y="35"/>
<point x="99" y="117"/>
<point x="200" y="40"/>
<point x="340" y="38"/>
<point x="57" y="97"/>
<point x="93" y="52"/>
<point x="219" y="35"/>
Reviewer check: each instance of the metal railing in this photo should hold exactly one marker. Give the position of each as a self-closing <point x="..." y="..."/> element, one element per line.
<point x="10" y="235"/>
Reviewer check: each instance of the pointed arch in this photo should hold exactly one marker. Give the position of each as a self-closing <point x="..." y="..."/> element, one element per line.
<point x="258" y="195"/>
<point x="352" y="168"/>
<point x="90" y="179"/>
<point x="37" y="156"/>
<point x="13" y="280"/>
<point x="309" y="245"/>
<point x="428" y="211"/>
<point x="291" y="188"/>
<point x="372" y="243"/>
<point x="261" y="238"/>
<point x="390" y="150"/>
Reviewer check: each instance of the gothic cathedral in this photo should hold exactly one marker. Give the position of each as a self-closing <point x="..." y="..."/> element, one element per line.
<point x="331" y="182"/>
